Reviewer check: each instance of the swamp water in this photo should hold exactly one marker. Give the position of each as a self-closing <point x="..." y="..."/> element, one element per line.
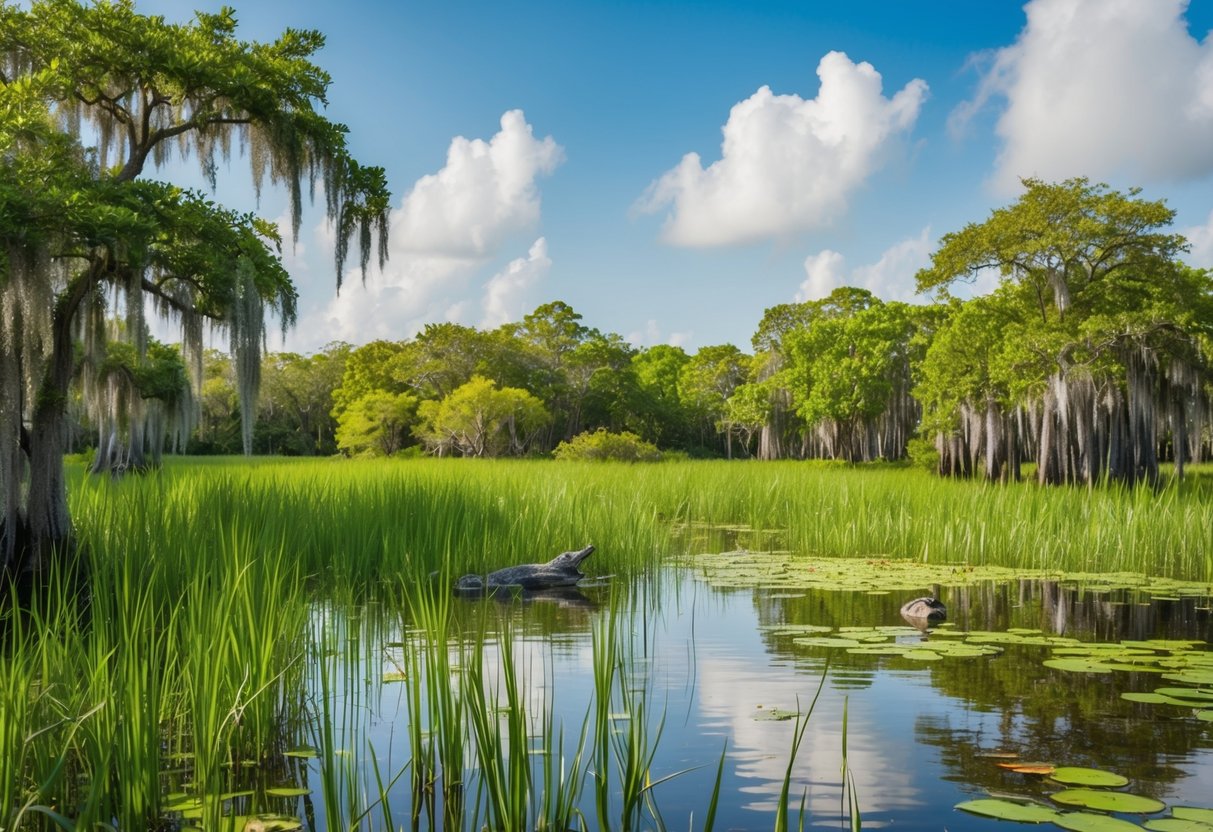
<point x="700" y="663"/>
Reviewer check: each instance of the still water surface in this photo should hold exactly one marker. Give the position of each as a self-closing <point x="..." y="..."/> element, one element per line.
<point x="714" y="665"/>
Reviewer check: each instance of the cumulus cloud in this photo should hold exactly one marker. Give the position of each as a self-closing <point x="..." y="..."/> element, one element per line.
<point x="485" y="192"/>
<point x="448" y="228"/>
<point x="1100" y="88"/>
<point x="824" y="272"/>
<point x="506" y="291"/>
<point x="652" y="335"/>
<point x="1201" y="238"/>
<point x="787" y="164"/>
<point x="890" y="278"/>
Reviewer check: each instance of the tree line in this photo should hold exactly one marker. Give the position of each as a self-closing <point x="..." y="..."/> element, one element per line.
<point x="1090" y="361"/>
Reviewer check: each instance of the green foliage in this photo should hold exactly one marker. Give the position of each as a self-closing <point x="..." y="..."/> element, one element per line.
<point x="1095" y="332"/>
<point x="480" y="419"/>
<point x="141" y="87"/>
<point x="602" y="445"/>
<point x="378" y="424"/>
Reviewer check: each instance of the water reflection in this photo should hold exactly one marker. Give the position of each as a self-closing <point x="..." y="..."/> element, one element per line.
<point x="713" y="665"/>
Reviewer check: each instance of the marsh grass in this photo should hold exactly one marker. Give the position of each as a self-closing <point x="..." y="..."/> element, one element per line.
<point x="187" y="658"/>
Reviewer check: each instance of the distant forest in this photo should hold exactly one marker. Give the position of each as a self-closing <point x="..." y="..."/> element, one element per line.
<point x="1090" y="361"/>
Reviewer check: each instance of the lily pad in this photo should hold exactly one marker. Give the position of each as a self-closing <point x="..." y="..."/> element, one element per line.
<point x="303" y="752"/>
<point x="287" y="791"/>
<point x="922" y="655"/>
<point x="1006" y="810"/>
<point x="1193" y="813"/>
<point x="1077" y="665"/>
<point x="826" y="641"/>
<point x="1092" y="822"/>
<point x="1178" y="825"/>
<point x="1109" y="801"/>
<point x="1186" y="693"/>
<point x="1145" y="698"/>
<point x="1079" y="776"/>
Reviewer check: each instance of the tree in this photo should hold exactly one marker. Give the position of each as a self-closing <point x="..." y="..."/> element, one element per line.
<point x="706" y="382"/>
<point x="1102" y="352"/>
<point x="479" y="419"/>
<point x="657" y="413"/>
<point x="849" y="372"/>
<point x="377" y="424"/>
<point x="294" y="411"/>
<point x="137" y="403"/>
<point x="80" y="229"/>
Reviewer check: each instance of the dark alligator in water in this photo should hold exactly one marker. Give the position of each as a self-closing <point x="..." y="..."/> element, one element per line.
<point x="562" y="570"/>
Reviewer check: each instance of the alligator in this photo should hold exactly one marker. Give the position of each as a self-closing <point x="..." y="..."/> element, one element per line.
<point x="561" y="570"/>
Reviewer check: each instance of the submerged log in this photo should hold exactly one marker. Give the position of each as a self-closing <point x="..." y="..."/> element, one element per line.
<point x="562" y="570"/>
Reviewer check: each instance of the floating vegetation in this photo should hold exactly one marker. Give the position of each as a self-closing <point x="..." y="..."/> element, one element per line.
<point x="784" y="572"/>
<point x="1092" y="822"/>
<point x="1108" y="801"/>
<point x="1079" y="776"/>
<point x="991" y="807"/>
<point x="1029" y="768"/>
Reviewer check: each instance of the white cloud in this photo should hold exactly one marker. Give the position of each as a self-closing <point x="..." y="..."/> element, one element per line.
<point x="787" y="164"/>
<point x="1101" y="88"/>
<point x="652" y="335"/>
<point x="506" y="291"/>
<point x="485" y="192"/>
<point x="889" y="278"/>
<point x="1201" y="238"/>
<point x="823" y="274"/>
<point x="448" y="228"/>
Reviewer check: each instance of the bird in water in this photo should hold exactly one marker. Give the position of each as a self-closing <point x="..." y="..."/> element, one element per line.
<point x="926" y="608"/>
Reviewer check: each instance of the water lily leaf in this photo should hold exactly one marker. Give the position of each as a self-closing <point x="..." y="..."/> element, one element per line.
<point x="1193" y="813"/>
<point x="1021" y="767"/>
<point x="1033" y="768"/>
<point x="395" y="676"/>
<point x="922" y="655"/>
<point x="1091" y="822"/>
<point x="1178" y="825"/>
<point x="774" y="715"/>
<point x="1077" y="665"/>
<point x="1186" y="693"/>
<point x="998" y="755"/>
<point x="1109" y="801"/>
<point x="1202" y="677"/>
<point x="1079" y="776"/>
<point x="1006" y="810"/>
<point x="1145" y="698"/>
<point x="1165" y="643"/>
<point x="880" y="650"/>
<point x="826" y="641"/>
<point x="1205" y="716"/>
<point x="303" y="752"/>
<point x="287" y="791"/>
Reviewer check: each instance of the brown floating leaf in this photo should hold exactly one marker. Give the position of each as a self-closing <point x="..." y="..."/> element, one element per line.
<point x="1029" y="768"/>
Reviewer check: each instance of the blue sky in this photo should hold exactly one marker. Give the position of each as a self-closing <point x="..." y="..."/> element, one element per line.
<point x="538" y="151"/>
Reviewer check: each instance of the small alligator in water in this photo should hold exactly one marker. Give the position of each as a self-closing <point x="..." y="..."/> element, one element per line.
<point x="561" y="570"/>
